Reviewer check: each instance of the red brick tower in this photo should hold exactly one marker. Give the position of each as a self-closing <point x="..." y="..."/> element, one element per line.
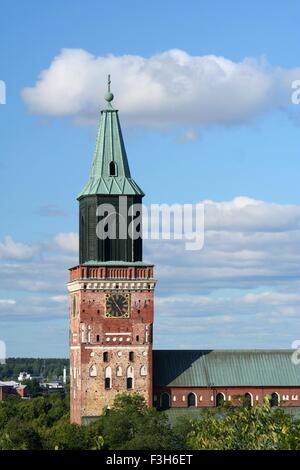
<point x="112" y="289"/>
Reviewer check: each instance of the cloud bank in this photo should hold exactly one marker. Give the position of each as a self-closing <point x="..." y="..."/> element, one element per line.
<point x="167" y="89"/>
<point x="240" y="290"/>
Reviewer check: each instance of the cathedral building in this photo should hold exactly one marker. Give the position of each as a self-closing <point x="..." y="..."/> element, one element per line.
<point x="112" y="310"/>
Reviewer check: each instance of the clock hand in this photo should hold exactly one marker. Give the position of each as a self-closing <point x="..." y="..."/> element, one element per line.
<point x="117" y="306"/>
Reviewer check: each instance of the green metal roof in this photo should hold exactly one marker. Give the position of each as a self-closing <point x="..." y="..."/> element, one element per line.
<point x="225" y="368"/>
<point x="110" y="148"/>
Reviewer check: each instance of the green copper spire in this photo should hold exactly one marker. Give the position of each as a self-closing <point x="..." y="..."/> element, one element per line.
<point x="110" y="174"/>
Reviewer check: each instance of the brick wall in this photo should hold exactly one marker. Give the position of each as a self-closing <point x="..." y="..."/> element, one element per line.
<point x="288" y="396"/>
<point x="92" y="334"/>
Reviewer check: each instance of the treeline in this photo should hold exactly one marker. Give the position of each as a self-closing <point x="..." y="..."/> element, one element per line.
<point x="48" y="368"/>
<point x="43" y="423"/>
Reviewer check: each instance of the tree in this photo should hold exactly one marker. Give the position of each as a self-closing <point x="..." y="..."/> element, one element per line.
<point x="43" y="423"/>
<point x="20" y="436"/>
<point x="131" y="425"/>
<point x="66" y="436"/>
<point x="245" y="428"/>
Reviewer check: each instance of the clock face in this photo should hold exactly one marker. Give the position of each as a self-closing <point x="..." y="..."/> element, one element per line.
<point x="117" y="305"/>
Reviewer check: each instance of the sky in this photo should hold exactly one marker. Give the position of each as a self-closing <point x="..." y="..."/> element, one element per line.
<point x="204" y="97"/>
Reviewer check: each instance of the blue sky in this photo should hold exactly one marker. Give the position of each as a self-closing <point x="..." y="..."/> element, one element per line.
<point x="187" y="157"/>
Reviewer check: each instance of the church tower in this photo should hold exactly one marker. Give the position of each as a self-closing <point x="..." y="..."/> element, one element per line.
<point x="112" y="289"/>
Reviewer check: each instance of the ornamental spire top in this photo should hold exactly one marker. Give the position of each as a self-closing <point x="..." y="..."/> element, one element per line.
<point x="110" y="173"/>
<point x="108" y="95"/>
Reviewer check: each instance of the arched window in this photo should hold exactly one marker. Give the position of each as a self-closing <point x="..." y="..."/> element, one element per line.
<point x="93" y="371"/>
<point x="220" y="399"/>
<point x="248" y="401"/>
<point x="119" y="371"/>
<point x="165" y="401"/>
<point x="129" y="383"/>
<point x="112" y="169"/>
<point x="274" y="400"/>
<point x="143" y="370"/>
<point x="107" y="377"/>
<point x="191" y="401"/>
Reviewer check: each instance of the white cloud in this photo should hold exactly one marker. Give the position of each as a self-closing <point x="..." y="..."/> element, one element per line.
<point x="9" y="249"/>
<point x="60" y="299"/>
<point x="240" y="290"/>
<point x="240" y="234"/>
<point x="169" y="88"/>
<point x="7" y="302"/>
<point x="67" y="241"/>
<point x="246" y="214"/>
<point x="7" y="306"/>
<point x="228" y="319"/>
<point x="272" y="298"/>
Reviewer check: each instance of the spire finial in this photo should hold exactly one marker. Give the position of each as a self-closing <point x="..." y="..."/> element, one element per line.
<point x="108" y="96"/>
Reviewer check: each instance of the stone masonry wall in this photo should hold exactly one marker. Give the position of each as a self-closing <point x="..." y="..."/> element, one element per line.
<point x="92" y="334"/>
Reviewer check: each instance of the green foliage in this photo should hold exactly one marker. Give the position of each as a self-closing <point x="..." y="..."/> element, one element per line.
<point x="44" y="423"/>
<point x="25" y="424"/>
<point x="21" y="436"/>
<point x="131" y="425"/>
<point x="65" y="436"/>
<point x="245" y="428"/>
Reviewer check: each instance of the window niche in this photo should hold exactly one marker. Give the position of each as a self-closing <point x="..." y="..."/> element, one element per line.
<point x="93" y="371"/>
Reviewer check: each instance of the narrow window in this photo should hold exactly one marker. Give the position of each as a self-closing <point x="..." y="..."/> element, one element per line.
<point x="107" y="375"/>
<point x="74" y="306"/>
<point x="137" y="338"/>
<point x="129" y="377"/>
<point x="97" y="339"/>
<point x="112" y="169"/>
<point x="131" y="356"/>
<point x="105" y="356"/>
